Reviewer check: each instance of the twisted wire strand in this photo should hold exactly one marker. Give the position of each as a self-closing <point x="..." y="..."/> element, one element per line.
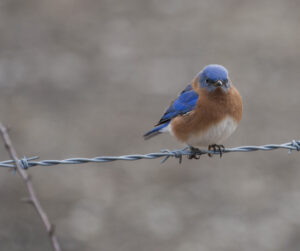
<point x="29" y="162"/>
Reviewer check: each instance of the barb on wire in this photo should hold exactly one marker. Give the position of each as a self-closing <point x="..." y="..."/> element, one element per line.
<point x="28" y="162"/>
<point x="19" y="166"/>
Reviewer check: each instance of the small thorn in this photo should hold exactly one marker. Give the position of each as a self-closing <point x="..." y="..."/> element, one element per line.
<point x="26" y="200"/>
<point x="52" y="229"/>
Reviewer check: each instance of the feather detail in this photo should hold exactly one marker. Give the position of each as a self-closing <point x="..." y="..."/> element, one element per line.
<point x="184" y="103"/>
<point x="156" y="130"/>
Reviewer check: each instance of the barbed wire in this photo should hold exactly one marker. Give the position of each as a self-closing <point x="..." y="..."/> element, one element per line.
<point x="166" y="154"/>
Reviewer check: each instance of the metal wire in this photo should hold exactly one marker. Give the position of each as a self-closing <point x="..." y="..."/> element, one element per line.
<point x="28" y="162"/>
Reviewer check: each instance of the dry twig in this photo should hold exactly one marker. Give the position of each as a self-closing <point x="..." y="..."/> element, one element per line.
<point x="32" y="195"/>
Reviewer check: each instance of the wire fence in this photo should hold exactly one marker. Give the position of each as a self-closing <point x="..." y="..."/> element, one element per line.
<point x="25" y="163"/>
<point x="20" y="166"/>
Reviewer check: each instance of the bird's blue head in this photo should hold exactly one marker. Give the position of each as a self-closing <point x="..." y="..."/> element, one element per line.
<point x="214" y="76"/>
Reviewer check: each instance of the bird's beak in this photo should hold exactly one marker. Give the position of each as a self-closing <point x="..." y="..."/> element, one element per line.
<point x="218" y="83"/>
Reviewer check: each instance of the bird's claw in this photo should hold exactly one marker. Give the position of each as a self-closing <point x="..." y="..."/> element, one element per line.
<point x="195" y="153"/>
<point x="216" y="148"/>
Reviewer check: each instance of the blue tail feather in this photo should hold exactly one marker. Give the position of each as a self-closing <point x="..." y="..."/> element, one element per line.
<point x="155" y="131"/>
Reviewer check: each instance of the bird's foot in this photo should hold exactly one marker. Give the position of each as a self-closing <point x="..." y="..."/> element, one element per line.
<point x="216" y="148"/>
<point x="195" y="153"/>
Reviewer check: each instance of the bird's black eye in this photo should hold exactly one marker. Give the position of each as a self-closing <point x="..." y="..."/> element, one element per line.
<point x="209" y="81"/>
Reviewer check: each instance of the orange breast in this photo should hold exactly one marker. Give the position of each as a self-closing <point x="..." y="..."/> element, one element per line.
<point x="211" y="109"/>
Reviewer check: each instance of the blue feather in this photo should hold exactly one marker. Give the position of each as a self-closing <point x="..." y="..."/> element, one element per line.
<point x="184" y="103"/>
<point x="155" y="131"/>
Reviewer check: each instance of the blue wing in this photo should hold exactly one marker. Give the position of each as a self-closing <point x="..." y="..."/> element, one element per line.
<point x="185" y="102"/>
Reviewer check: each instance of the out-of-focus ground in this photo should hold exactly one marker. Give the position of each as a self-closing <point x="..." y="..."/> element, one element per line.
<point x="88" y="78"/>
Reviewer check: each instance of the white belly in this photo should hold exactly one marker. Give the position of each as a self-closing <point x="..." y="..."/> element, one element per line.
<point x="215" y="134"/>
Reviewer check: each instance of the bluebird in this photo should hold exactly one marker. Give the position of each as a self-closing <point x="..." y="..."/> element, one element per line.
<point x="205" y="113"/>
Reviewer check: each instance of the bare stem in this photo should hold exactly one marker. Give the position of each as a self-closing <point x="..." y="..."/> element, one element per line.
<point x="32" y="195"/>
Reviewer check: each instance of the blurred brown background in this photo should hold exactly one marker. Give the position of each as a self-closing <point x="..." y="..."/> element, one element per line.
<point x="88" y="78"/>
